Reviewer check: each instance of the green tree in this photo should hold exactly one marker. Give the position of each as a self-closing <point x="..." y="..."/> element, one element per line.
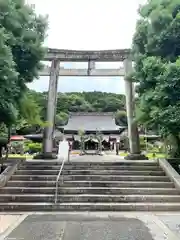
<point x="61" y="119"/>
<point x="81" y="134"/>
<point x="30" y="110"/>
<point x="29" y="118"/>
<point x="8" y="79"/>
<point x="82" y="102"/>
<point x="22" y="34"/>
<point x="157" y="67"/>
<point x="21" y="37"/>
<point x="121" y="117"/>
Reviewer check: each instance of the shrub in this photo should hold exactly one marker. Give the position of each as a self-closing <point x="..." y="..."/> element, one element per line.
<point x="34" y="147"/>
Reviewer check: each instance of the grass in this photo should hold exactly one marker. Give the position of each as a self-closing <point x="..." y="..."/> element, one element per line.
<point x="157" y="155"/>
<point x="123" y="154"/>
<point x="19" y="156"/>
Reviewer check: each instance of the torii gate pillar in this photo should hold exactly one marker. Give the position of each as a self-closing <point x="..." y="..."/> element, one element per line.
<point x="47" y="151"/>
<point x="133" y="134"/>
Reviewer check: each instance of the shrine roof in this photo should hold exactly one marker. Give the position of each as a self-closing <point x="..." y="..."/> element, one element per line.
<point x="92" y="122"/>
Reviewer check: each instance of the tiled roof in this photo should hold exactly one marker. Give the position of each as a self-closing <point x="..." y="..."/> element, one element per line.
<point x="92" y="122"/>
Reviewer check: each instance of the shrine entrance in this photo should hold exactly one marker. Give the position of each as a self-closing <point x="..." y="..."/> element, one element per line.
<point x="106" y="145"/>
<point x="90" y="145"/>
<point x="56" y="56"/>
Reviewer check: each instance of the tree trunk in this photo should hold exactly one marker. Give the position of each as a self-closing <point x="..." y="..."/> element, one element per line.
<point x="8" y="144"/>
<point x="176" y="153"/>
<point x="1" y="160"/>
<point x="81" y="146"/>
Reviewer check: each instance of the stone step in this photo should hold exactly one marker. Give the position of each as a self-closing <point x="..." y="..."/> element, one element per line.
<point x="90" y="190"/>
<point x="84" y="198"/>
<point x="118" y="184"/>
<point x="92" y="167"/>
<point x="92" y="172"/>
<point x="91" y="184"/>
<point x="118" y="198"/>
<point x="41" y="162"/>
<point x="27" y="190"/>
<point x="118" y="190"/>
<point x="141" y="206"/>
<point x="90" y="177"/>
<point x="97" y="163"/>
<point x="28" y="197"/>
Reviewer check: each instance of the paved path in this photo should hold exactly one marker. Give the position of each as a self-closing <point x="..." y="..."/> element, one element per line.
<point x="96" y="158"/>
<point x="91" y="226"/>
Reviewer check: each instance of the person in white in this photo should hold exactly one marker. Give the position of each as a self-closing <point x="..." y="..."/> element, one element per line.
<point x="63" y="151"/>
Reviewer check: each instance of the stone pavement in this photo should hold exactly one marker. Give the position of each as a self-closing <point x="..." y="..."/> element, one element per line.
<point x="91" y="226"/>
<point x="6" y="221"/>
<point x="96" y="158"/>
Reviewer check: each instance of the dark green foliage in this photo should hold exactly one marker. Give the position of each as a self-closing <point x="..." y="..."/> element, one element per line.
<point x="90" y="102"/>
<point x="156" y="47"/>
<point x="22" y="34"/>
<point x="33" y="147"/>
<point x="75" y="102"/>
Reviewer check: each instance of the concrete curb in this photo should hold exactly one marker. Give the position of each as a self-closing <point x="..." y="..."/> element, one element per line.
<point x="8" y="172"/>
<point x="170" y="172"/>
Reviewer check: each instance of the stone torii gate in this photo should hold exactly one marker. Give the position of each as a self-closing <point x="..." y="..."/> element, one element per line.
<point x="56" y="56"/>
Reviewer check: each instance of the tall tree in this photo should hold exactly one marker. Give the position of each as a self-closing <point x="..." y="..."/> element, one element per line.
<point x="8" y="79"/>
<point x="22" y="34"/>
<point x="156" y="47"/>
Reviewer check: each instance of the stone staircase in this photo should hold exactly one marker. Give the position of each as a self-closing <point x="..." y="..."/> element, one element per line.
<point x="95" y="186"/>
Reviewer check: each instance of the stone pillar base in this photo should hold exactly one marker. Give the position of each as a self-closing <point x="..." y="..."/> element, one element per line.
<point x="135" y="156"/>
<point x="46" y="156"/>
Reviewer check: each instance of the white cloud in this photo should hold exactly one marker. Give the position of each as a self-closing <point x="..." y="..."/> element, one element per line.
<point x="88" y="25"/>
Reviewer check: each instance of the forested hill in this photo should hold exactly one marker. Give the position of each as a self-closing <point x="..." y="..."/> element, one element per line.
<point x="79" y="102"/>
<point x="82" y="102"/>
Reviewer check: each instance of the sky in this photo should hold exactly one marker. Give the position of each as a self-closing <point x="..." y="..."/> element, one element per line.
<point x="88" y="25"/>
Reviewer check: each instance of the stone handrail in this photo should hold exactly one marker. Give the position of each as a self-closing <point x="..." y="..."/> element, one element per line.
<point x="170" y="172"/>
<point x="9" y="171"/>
